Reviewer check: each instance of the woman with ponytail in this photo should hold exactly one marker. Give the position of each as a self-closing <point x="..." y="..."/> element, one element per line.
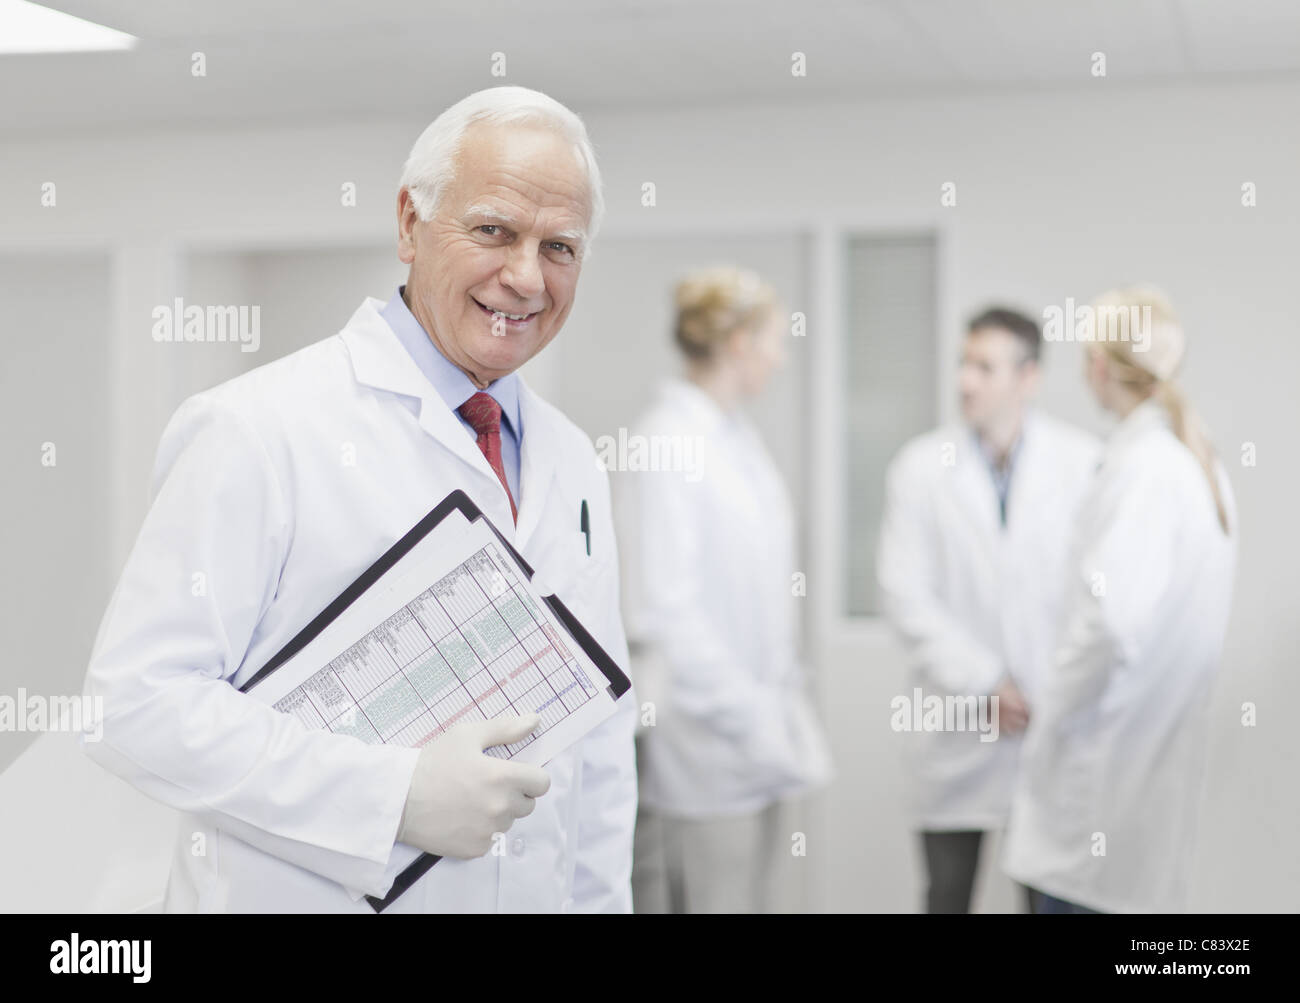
<point x="1104" y="817"/>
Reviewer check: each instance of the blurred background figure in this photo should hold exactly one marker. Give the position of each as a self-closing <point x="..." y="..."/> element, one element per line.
<point x="971" y="565"/>
<point x="1105" y="812"/>
<point x="711" y="593"/>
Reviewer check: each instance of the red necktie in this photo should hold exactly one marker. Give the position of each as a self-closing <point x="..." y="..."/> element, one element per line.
<point x="484" y="415"/>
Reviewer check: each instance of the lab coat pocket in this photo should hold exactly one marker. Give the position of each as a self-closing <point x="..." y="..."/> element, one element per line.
<point x="572" y="578"/>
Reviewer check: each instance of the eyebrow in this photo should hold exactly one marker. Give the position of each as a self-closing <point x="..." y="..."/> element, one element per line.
<point x="495" y="217"/>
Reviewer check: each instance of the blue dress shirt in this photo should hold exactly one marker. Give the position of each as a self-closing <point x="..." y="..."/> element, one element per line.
<point x="1001" y="474"/>
<point x="455" y="388"/>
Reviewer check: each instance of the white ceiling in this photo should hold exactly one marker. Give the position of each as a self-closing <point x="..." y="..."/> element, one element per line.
<point x="276" y="60"/>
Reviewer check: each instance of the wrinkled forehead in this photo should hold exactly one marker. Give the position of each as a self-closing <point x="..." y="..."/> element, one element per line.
<point x="525" y="172"/>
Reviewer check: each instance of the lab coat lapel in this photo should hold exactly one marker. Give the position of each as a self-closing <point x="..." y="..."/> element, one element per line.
<point x="1146" y="416"/>
<point x="379" y="360"/>
<point x="1033" y="478"/>
<point x="537" y="461"/>
<point x="977" y="494"/>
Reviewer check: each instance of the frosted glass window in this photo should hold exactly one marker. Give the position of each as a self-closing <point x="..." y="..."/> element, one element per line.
<point x="890" y="358"/>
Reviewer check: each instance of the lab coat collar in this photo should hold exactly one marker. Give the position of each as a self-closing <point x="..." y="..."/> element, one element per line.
<point x="381" y="361"/>
<point x="686" y="397"/>
<point x="1146" y="416"/>
<point x="1029" y="478"/>
<point x="453" y="386"/>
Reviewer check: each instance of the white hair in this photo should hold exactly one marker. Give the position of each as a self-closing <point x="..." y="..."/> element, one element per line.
<point x="431" y="165"/>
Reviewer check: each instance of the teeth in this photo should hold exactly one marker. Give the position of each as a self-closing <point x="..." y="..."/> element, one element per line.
<point x="511" y="316"/>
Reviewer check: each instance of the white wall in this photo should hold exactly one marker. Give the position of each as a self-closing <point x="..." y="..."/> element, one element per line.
<point x="54" y="533"/>
<point x="1060" y="193"/>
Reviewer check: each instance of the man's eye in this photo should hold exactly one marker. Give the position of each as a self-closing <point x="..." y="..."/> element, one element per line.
<point x="489" y="226"/>
<point x="559" y="246"/>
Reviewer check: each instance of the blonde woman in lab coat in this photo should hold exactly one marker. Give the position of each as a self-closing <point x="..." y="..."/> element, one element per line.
<point x="709" y="565"/>
<point x="1104" y="816"/>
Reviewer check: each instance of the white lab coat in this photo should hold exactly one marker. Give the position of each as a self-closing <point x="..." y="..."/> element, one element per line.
<point x="973" y="600"/>
<point x="272" y="492"/>
<point x="709" y="579"/>
<point x="1117" y="745"/>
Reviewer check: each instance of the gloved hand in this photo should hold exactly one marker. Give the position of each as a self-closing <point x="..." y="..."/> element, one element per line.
<point x="459" y="797"/>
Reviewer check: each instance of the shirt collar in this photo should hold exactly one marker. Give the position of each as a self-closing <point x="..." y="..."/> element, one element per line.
<point x="1012" y="454"/>
<point x="453" y="386"/>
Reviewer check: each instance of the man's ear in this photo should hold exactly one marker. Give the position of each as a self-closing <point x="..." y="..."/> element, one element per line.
<point x="406" y="221"/>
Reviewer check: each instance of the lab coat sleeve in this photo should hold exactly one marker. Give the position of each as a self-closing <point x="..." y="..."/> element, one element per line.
<point x="1118" y="581"/>
<point x="602" y="880"/>
<point x="202" y="573"/>
<point x="945" y="652"/>
<point x="704" y="681"/>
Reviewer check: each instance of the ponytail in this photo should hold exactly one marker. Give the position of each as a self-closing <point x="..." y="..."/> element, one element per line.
<point x="1191" y="433"/>
<point x="1148" y="371"/>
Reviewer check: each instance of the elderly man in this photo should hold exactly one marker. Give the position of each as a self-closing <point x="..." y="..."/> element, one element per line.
<point x="273" y="491"/>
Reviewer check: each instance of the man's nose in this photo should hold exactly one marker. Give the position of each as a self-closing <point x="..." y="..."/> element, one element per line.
<point x="522" y="272"/>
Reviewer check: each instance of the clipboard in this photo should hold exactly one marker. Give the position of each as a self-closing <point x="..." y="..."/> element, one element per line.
<point x="617" y="682"/>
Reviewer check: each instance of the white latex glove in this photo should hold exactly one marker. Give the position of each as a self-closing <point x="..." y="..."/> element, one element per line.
<point x="460" y="797"/>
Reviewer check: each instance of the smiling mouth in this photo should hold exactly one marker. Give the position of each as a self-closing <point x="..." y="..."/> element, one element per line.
<point x="511" y="319"/>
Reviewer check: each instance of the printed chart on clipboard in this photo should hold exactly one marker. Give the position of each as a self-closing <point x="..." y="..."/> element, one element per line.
<point x="449" y="626"/>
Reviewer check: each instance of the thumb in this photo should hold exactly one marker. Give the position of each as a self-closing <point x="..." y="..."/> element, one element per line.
<point x="505" y="729"/>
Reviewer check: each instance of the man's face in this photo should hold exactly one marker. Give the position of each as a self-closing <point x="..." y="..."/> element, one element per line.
<point x="507" y="237"/>
<point x="996" y="380"/>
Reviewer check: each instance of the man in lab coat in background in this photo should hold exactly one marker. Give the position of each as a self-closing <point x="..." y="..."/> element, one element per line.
<point x="273" y="491"/>
<point x="971" y="567"/>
